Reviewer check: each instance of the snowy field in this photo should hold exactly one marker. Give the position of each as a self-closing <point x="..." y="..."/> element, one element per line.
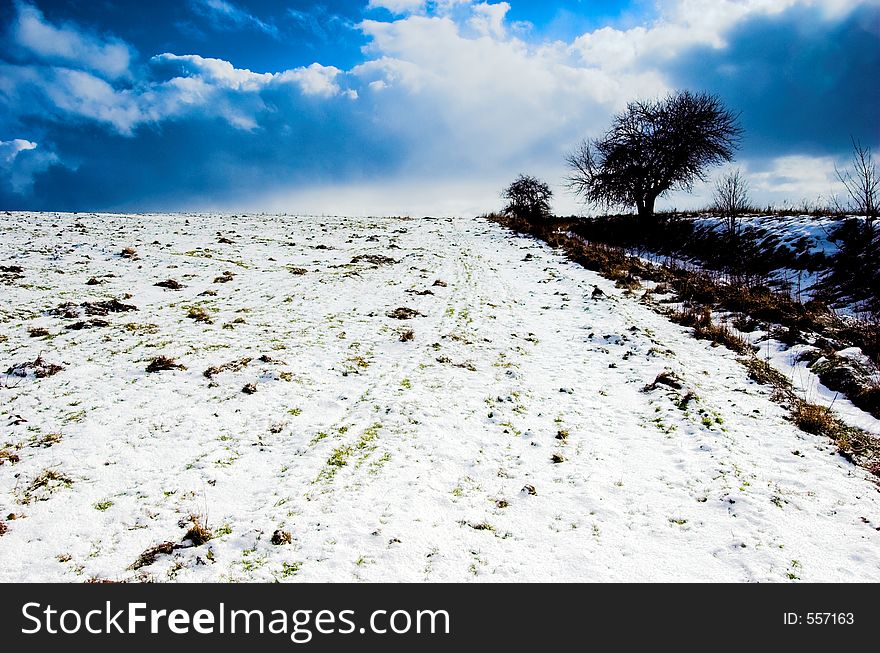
<point x="517" y="435"/>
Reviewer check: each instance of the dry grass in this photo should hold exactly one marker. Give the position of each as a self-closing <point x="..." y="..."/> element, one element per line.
<point x="8" y="456"/>
<point x="199" y="314"/>
<point x="45" y="484"/>
<point x="857" y="446"/>
<point x="815" y="419"/>
<point x="721" y="334"/>
<point x="406" y="335"/>
<point x="198" y="533"/>
<point x="762" y="372"/>
<point x="700" y="318"/>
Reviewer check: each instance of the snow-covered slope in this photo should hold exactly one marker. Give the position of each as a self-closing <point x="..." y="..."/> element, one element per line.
<point x="427" y="459"/>
<point x="804" y="234"/>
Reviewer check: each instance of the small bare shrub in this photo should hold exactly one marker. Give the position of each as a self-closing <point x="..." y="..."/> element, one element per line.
<point x="198" y="532"/>
<point x="406" y="335"/>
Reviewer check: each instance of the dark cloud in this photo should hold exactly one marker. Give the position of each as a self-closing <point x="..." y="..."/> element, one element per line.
<point x="196" y="161"/>
<point x="803" y="85"/>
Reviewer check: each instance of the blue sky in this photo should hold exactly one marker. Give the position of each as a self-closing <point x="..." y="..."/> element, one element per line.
<point x="390" y="106"/>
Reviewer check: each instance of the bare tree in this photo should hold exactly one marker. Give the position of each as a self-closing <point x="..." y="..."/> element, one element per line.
<point x="731" y="197"/>
<point x="651" y="148"/>
<point x="527" y="197"/>
<point x="861" y="181"/>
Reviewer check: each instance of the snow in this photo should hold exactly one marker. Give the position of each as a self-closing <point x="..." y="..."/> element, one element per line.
<point x="801" y="233"/>
<point x="709" y="482"/>
<point x="807" y="386"/>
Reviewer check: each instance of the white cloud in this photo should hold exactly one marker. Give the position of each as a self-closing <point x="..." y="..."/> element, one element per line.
<point x="781" y="181"/>
<point x="797" y="177"/>
<point x="85" y="95"/>
<point x="488" y="19"/>
<point x="224" y="14"/>
<point x="683" y="24"/>
<point x="212" y="87"/>
<point x="217" y="72"/>
<point x="477" y="91"/>
<point x="314" y="80"/>
<point x="398" y="6"/>
<point x="414" y="196"/>
<point x="20" y="160"/>
<point x="10" y="149"/>
<point x="68" y="45"/>
<point x="404" y="7"/>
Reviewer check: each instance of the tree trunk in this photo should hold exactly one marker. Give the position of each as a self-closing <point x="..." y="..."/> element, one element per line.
<point x="645" y="207"/>
<point x="640" y="207"/>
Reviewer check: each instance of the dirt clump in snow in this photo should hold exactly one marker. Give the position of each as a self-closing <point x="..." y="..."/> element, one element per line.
<point x="231" y="366"/>
<point x="280" y="537"/>
<point x="406" y="335"/>
<point x="71" y="310"/>
<point x="152" y="554"/>
<point x="377" y="260"/>
<point x="94" y="323"/>
<point x="163" y="363"/>
<point x="38" y="367"/>
<point x="170" y="284"/>
<point x="11" y="273"/>
<point x="404" y="313"/>
<point x="668" y="378"/>
<point x="199" y="314"/>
